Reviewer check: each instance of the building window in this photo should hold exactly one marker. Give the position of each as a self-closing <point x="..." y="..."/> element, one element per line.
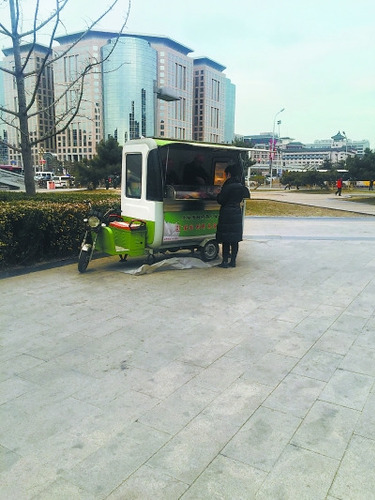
<point x="215" y="90"/>
<point x="179" y="133"/>
<point x="180" y="109"/>
<point x="143" y="104"/>
<point x="180" y="74"/>
<point x="70" y="68"/>
<point x="133" y="123"/>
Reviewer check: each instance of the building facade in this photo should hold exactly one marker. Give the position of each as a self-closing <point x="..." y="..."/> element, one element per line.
<point x="77" y="52"/>
<point x="129" y="73"/>
<point x="209" y="100"/>
<point x="136" y="85"/>
<point x="230" y="111"/>
<point x="39" y="88"/>
<point x="174" y="78"/>
<point x="293" y="155"/>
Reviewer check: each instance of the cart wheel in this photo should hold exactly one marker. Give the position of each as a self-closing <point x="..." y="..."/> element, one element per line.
<point x="83" y="260"/>
<point x="210" y="251"/>
<point x="150" y="259"/>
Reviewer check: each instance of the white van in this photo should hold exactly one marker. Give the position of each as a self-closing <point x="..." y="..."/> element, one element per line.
<point x="62" y="181"/>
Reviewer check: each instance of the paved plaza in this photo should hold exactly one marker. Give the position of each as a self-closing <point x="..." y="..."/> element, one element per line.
<point x="248" y="383"/>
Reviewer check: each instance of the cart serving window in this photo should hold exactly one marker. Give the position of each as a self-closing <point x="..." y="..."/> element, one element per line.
<point x="193" y="172"/>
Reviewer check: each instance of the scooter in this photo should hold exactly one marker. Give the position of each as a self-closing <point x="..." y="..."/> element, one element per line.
<point x="95" y="223"/>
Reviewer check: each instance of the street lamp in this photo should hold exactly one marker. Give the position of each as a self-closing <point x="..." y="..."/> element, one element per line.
<point x="272" y="145"/>
<point x="346" y="146"/>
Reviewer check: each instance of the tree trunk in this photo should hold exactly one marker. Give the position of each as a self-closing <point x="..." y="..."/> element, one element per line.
<point x="22" y="106"/>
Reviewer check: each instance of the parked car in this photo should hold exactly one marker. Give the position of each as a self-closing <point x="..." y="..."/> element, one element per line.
<point x="43" y="176"/>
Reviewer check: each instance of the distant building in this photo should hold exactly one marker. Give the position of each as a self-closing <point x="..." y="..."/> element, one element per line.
<point x="210" y="93"/>
<point x="128" y="89"/>
<point x="41" y="112"/>
<point x="359" y="146"/>
<point x="173" y="87"/>
<point x="85" y="131"/>
<point x="142" y="85"/>
<point x="293" y="155"/>
<point x="230" y="112"/>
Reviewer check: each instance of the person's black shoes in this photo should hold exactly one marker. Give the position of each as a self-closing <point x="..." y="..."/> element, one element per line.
<point x="225" y="265"/>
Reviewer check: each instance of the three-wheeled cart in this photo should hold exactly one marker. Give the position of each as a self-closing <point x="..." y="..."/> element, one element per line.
<point x="168" y="199"/>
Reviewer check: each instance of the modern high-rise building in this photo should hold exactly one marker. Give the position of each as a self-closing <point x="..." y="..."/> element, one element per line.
<point x="78" y="51"/>
<point x="174" y="87"/>
<point x="209" y="100"/>
<point x="230" y="111"/>
<point x="41" y="112"/>
<point x="129" y="99"/>
<point x="184" y="107"/>
<point x="134" y="85"/>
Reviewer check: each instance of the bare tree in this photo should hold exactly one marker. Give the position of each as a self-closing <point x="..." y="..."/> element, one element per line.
<point x="24" y="42"/>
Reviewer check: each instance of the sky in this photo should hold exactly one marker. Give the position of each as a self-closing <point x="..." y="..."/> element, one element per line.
<point x="314" y="58"/>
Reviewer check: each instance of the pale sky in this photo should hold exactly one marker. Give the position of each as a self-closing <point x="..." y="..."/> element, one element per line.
<point x="315" y="58"/>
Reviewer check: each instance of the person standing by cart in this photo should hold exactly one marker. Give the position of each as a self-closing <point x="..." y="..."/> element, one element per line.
<point x="230" y="224"/>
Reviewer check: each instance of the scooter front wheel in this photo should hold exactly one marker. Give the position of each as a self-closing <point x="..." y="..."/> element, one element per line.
<point x="83" y="260"/>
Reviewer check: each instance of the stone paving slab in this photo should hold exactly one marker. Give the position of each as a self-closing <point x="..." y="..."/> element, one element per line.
<point x="248" y="383"/>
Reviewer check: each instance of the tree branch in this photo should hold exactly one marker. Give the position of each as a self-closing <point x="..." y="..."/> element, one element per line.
<point x="89" y="28"/>
<point x="9" y="111"/>
<point x="45" y="59"/>
<point x="53" y="14"/>
<point x="66" y="125"/>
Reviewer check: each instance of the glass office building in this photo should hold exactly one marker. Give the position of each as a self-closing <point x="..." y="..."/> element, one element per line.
<point x="175" y="76"/>
<point x="129" y="75"/>
<point x="230" y="111"/>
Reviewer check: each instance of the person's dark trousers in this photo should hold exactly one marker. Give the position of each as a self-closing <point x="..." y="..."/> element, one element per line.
<point x="226" y="251"/>
<point x="233" y="254"/>
<point x="232" y="250"/>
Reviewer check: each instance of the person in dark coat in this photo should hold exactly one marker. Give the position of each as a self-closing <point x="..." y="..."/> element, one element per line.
<point x="230" y="227"/>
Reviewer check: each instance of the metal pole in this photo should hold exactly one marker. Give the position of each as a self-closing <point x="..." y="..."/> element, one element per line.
<point x="346" y="147"/>
<point x="272" y="147"/>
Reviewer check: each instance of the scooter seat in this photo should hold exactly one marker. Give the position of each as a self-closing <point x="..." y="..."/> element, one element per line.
<point x="120" y="225"/>
<point x="133" y="225"/>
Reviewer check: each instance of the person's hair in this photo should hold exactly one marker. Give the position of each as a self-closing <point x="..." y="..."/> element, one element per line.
<point x="232" y="170"/>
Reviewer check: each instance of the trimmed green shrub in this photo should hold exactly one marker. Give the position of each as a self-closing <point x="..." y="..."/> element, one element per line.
<point x="47" y="226"/>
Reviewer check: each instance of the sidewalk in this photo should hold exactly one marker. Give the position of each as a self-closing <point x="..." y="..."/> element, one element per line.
<point x="248" y="383"/>
<point x="317" y="199"/>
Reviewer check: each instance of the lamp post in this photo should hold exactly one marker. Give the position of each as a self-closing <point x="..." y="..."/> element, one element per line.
<point x="272" y="145"/>
<point x="346" y="147"/>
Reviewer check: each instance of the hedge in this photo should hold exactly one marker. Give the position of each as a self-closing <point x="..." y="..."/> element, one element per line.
<point x="45" y="227"/>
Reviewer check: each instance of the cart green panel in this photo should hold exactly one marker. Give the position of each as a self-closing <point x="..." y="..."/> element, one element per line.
<point x="122" y="241"/>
